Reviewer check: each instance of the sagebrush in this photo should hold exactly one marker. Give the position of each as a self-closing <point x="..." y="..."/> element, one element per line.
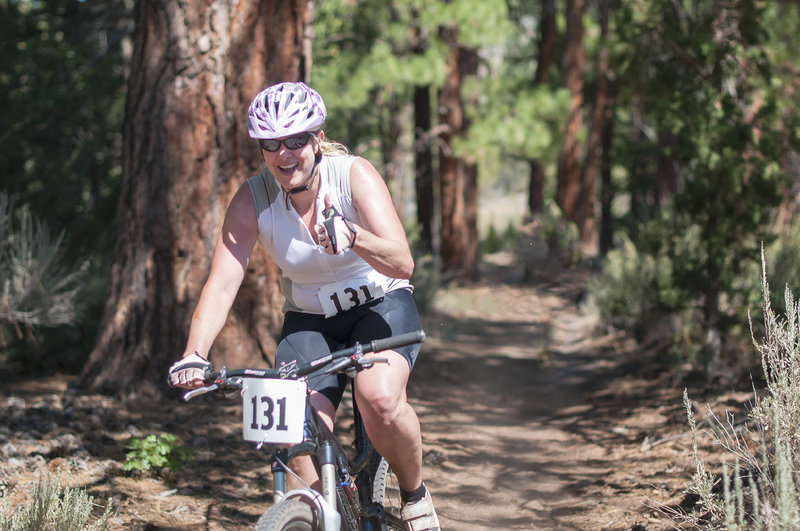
<point x="55" y="506"/>
<point x="759" y="486"/>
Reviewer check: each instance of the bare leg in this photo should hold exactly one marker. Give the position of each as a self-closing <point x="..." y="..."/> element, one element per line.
<point x="390" y="421"/>
<point x="303" y="466"/>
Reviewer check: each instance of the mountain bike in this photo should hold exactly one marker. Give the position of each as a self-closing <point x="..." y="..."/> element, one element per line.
<point x="359" y="490"/>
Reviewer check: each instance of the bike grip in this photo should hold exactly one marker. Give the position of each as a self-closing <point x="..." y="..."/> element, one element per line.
<point x="402" y="340"/>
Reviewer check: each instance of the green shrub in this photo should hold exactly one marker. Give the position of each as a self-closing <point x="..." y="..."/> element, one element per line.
<point x="652" y="290"/>
<point x="495" y="241"/>
<point x="427" y="277"/>
<point x="561" y="236"/>
<point x="636" y="292"/>
<point x="762" y="488"/>
<point x="783" y="267"/>
<point x="627" y="290"/>
<point x="427" y="280"/>
<point x="55" y="507"/>
<point x="36" y="289"/>
<point x="492" y="243"/>
<point x="547" y="238"/>
<point x="154" y="452"/>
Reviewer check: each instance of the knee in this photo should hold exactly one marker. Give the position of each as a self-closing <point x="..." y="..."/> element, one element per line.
<point x="379" y="405"/>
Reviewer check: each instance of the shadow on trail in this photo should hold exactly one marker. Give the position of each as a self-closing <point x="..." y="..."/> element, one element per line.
<point x="512" y="421"/>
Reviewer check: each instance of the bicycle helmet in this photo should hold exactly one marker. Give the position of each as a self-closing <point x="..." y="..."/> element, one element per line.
<point x="285" y="109"/>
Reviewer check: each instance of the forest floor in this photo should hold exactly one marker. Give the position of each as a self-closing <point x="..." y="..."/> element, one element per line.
<point x="533" y="416"/>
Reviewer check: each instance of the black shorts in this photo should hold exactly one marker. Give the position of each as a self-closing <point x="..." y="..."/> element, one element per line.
<point x="306" y="337"/>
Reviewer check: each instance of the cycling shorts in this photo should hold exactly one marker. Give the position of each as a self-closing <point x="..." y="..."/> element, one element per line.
<point x="306" y="337"/>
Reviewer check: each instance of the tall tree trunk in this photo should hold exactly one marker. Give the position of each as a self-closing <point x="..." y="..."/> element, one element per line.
<point x="569" y="158"/>
<point x="536" y="186"/>
<point x="392" y="151"/>
<point x="547" y="45"/>
<point x="423" y="163"/>
<point x="457" y="180"/>
<point x="606" y="188"/>
<point x="195" y="69"/>
<point x="586" y="218"/>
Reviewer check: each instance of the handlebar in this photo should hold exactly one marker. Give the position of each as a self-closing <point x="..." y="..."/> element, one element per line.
<point x="336" y="362"/>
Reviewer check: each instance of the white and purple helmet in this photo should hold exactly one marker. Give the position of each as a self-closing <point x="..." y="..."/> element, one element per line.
<point x="285" y="109"/>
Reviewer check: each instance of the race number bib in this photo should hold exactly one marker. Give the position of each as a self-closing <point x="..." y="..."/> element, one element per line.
<point x="273" y="411"/>
<point x="348" y="294"/>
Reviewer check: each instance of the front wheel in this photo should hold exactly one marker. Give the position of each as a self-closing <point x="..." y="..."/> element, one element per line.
<point x="288" y="515"/>
<point x="386" y="491"/>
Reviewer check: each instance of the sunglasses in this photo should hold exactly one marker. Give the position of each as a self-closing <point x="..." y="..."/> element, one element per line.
<point x="293" y="142"/>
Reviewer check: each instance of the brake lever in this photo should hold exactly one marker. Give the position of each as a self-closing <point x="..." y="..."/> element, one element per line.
<point x="199" y="391"/>
<point x="366" y="363"/>
<point x="231" y="387"/>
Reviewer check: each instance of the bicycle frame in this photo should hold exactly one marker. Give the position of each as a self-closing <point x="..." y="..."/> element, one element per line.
<point x="346" y="483"/>
<point x="332" y="462"/>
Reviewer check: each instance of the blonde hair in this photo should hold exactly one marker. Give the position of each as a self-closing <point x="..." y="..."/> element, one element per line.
<point x="329" y="147"/>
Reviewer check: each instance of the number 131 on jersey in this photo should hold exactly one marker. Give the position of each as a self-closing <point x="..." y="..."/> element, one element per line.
<point x="273" y="411"/>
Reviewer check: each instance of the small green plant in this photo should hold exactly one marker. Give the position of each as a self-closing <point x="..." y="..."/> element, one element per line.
<point x="155" y="452"/>
<point x="496" y="241"/>
<point x="57" y="507"/>
<point x="493" y="242"/>
<point x="548" y="234"/>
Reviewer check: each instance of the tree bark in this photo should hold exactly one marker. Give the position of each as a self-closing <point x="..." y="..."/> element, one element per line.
<point x="606" y="189"/>
<point x="458" y="178"/>
<point x="587" y="203"/>
<point x="392" y="151"/>
<point x="196" y="66"/>
<point x="423" y="163"/>
<point x="569" y="166"/>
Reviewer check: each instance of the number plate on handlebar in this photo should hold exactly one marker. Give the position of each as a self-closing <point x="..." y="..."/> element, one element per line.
<point x="273" y="411"/>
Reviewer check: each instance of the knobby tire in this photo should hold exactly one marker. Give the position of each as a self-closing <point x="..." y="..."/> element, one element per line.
<point x="386" y="491"/>
<point x="288" y="515"/>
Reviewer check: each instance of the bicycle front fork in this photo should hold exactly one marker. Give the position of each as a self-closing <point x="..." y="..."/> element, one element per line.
<point x="326" y="456"/>
<point x="279" y="474"/>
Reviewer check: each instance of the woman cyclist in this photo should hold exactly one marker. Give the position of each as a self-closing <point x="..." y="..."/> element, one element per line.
<point x="327" y="219"/>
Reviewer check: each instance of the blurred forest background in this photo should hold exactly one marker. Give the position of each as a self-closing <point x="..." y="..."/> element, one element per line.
<point x="655" y="139"/>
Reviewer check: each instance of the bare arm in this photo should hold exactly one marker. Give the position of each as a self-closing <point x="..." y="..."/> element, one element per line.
<point x="228" y="267"/>
<point x="381" y="239"/>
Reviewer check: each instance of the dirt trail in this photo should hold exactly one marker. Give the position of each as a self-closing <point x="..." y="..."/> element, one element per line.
<point x="531" y="418"/>
<point x="505" y="391"/>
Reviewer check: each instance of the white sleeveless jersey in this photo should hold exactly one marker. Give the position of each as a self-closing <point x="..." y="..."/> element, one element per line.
<point x="311" y="280"/>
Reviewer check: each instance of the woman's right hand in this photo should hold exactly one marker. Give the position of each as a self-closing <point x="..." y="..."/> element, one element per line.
<point x="189" y="372"/>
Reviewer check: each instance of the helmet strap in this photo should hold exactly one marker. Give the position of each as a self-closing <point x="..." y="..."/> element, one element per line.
<point x="305" y="187"/>
<point x="301" y="189"/>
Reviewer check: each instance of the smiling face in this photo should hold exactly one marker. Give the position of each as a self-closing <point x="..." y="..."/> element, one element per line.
<point x="292" y="167"/>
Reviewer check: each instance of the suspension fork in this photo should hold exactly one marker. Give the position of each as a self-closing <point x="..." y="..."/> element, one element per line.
<point x="279" y="474"/>
<point x="282" y="456"/>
